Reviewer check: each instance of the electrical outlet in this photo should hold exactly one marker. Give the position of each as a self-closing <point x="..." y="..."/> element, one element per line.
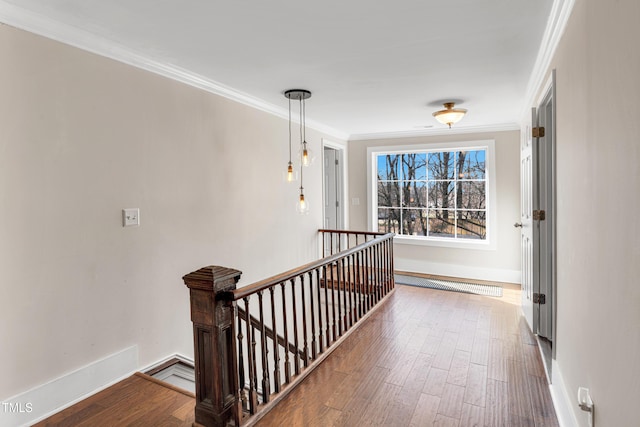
<point x="130" y="217"/>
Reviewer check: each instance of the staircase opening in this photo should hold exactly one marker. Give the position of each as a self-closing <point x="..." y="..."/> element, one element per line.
<point x="177" y="372"/>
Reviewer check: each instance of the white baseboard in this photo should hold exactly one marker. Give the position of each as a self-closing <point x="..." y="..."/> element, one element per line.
<point x="180" y="357"/>
<point x="457" y="270"/>
<point x="45" y="400"/>
<point x="561" y="397"/>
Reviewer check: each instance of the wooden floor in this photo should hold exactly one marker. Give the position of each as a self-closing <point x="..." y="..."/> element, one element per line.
<point x="425" y="358"/>
<point x="429" y="358"/>
<point x="139" y="400"/>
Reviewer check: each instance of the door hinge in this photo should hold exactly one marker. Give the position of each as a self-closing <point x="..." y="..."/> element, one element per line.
<point x="337" y="204"/>
<point x="537" y="132"/>
<point x="539" y="215"/>
<point x="337" y="163"/>
<point x="539" y="298"/>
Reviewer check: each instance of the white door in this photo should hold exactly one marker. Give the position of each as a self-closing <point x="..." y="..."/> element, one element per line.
<point x="537" y="220"/>
<point x="334" y="212"/>
<point x="527" y="182"/>
<point x="331" y="200"/>
<point x="544" y="227"/>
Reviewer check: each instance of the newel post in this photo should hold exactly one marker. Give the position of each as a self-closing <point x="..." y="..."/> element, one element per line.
<point x="215" y="356"/>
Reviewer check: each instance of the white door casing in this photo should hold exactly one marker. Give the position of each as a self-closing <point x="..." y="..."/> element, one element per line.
<point x="527" y="180"/>
<point x="537" y="169"/>
<point x="334" y="189"/>
<point x="545" y="229"/>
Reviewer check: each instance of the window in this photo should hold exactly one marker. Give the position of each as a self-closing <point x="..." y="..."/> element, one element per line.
<point x="436" y="193"/>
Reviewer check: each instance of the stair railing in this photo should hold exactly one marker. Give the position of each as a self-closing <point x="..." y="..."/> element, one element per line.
<point x="253" y="344"/>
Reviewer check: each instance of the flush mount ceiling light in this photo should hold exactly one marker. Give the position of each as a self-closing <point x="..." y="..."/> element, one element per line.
<point x="449" y="115"/>
<point x="305" y="153"/>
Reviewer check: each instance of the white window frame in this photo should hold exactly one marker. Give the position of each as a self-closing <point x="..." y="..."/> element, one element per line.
<point x="489" y="243"/>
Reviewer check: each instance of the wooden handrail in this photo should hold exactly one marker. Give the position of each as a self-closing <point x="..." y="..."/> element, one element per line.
<point x="350" y="232"/>
<point x="245" y="291"/>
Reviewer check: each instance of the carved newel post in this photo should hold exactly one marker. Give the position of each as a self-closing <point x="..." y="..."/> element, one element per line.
<point x="217" y="400"/>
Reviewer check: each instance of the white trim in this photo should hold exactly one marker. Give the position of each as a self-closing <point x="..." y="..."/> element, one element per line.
<point x="558" y="19"/>
<point x="457" y="270"/>
<point x="81" y="39"/>
<point x="490" y="243"/>
<point x="180" y="357"/>
<point x="561" y="397"/>
<point x="435" y="132"/>
<point x="53" y="396"/>
<point x="342" y="148"/>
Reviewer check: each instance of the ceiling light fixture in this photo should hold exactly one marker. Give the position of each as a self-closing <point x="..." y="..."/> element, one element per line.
<point x="449" y="115"/>
<point x="305" y="152"/>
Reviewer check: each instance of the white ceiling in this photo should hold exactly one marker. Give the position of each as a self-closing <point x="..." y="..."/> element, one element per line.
<point x="374" y="67"/>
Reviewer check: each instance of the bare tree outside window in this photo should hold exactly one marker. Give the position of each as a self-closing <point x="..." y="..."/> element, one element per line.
<point x="433" y="194"/>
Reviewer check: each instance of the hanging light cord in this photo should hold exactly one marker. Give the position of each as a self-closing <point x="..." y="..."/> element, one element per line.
<point x="304" y="122"/>
<point x="301" y="137"/>
<point x="289" y="130"/>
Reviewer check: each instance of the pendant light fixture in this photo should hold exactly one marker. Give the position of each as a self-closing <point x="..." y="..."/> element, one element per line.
<point x="307" y="155"/>
<point x="300" y="95"/>
<point x="450" y="115"/>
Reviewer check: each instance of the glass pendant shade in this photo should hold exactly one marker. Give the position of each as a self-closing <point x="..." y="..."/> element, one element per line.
<point x="449" y="115"/>
<point x="307" y="155"/>
<point x="290" y="175"/>
<point x="303" y="205"/>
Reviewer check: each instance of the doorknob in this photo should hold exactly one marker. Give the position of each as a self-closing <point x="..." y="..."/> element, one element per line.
<point x="518" y="225"/>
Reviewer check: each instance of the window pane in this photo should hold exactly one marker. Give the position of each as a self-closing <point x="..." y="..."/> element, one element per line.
<point x="472" y="225"/>
<point x="442" y="195"/>
<point x="389" y="194"/>
<point x="414" y="222"/>
<point x="389" y="220"/>
<point x="414" y="166"/>
<point x="471" y="195"/>
<point x="414" y="194"/>
<point x="441" y="223"/>
<point x="441" y="165"/>
<point x="388" y="167"/>
<point x="471" y="164"/>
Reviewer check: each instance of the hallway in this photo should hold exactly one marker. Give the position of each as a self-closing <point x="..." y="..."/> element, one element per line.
<point x="429" y="357"/>
<point x="424" y="358"/>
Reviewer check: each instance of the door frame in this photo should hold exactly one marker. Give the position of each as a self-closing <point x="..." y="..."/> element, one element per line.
<point x="546" y="199"/>
<point x="341" y="151"/>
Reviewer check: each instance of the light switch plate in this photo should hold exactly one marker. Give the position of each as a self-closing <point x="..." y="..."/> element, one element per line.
<point x="130" y="217"/>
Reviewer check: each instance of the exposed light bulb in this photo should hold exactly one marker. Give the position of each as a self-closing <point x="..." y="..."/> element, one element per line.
<point x="290" y="175"/>
<point x="302" y="206"/>
<point x="307" y="155"/>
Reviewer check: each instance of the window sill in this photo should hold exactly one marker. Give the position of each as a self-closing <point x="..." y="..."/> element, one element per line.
<point x="482" y="245"/>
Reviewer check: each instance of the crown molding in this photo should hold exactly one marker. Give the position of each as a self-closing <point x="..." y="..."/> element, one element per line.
<point x="558" y="19"/>
<point x="435" y="132"/>
<point x="44" y="26"/>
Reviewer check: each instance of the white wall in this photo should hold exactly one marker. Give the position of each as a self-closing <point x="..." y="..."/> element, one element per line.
<point x="598" y="181"/>
<point x="83" y="137"/>
<point x="503" y="263"/>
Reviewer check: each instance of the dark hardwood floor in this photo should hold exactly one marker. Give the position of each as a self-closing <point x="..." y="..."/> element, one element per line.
<point x="425" y="358"/>
<point x="429" y="358"/>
